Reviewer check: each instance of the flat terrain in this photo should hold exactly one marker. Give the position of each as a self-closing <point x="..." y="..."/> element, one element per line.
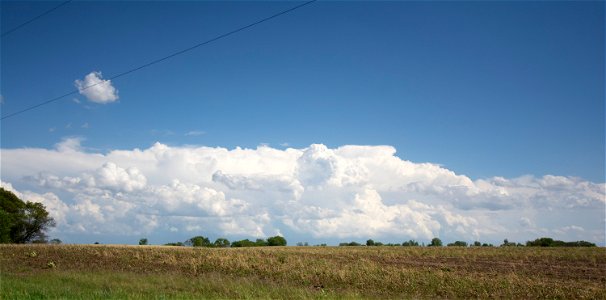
<point x="100" y="271"/>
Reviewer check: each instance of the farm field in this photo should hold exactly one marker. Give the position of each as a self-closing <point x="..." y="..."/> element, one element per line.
<point x="142" y="272"/>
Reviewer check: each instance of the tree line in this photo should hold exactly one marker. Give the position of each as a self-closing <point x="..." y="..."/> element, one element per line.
<point x="436" y="242"/>
<point x="202" y="241"/>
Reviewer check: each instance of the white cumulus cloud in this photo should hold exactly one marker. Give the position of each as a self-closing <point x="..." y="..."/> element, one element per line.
<point x="97" y="90"/>
<point x="344" y="193"/>
<point x="114" y="177"/>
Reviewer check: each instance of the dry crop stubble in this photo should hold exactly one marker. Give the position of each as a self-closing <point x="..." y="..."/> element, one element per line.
<point x="321" y="271"/>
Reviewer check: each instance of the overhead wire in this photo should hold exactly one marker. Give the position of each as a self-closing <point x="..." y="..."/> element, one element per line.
<point x="35" y="18"/>
<point x="161" y="59"/>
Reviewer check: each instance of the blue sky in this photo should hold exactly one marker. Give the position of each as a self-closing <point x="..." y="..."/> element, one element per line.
<point x="484" y="89"/>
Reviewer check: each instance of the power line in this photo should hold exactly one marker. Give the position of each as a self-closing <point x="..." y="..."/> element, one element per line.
<point x="162" y="59"/>
<point x="36" y="18"/>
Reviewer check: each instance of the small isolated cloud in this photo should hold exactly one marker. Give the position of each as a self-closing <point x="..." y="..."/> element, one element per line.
<point x="195" y="133"/>
<point x="85" y="125"/>
<point x="76" y="100"/>
<point x="52" y="129"/>
<point x="1" y="99"/>
<point x="97" y="90"/>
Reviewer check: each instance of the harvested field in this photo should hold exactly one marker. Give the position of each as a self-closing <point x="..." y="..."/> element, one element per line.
<point x="100" y="271"/>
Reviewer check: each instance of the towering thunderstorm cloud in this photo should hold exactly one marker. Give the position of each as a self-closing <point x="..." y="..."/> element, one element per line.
<point x="350" y="192"/>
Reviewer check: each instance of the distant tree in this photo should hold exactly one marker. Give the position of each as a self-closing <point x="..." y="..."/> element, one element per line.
<point x="56" y="241"/>
<point x="507" y="243"/>
<point x="458" y="244"/>
<point x="350" y="244"/>
<point x="22" y="222"/>
<point x="540" y="242"/>
<point x="306" y="244"/>
<point x="584" y="244"/>
<point x="370" y="243"/>
<point x="410" y="243"/>
<point x="174" y="244"/>
<point x="221" y="243"/>
<point x="581" y="244"/>
<point x="40" y="240"/>
<point x="477" y="244"/>
<point x="143" y="241"/>
<point x="300" y="244"/>
<point x="243" y="243"/>
<point x="198" y="241"/>
<point x="487" y="245"/>
<point x="549" y="242"/>
<point x="96" y="243"/>
<point x="276" y="241"/>
<point x="260" y="243"/>
<point x="435" y="242"/>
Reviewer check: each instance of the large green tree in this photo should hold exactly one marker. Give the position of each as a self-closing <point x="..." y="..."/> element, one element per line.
<point x="22" y="222"/>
